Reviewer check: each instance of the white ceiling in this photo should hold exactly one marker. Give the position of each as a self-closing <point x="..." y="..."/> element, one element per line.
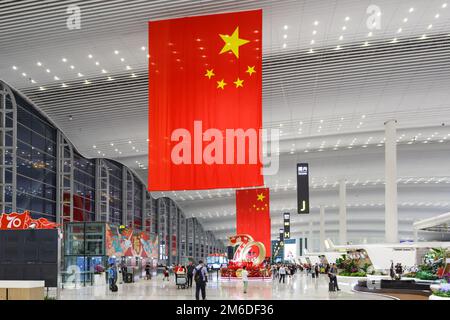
<point x="330" y="104"/>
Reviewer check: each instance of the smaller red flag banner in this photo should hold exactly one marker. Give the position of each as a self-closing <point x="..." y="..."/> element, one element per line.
<point x="253" y="215"/>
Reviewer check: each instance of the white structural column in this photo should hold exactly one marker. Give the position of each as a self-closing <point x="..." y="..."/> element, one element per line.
<point x="310" y="247"/>
<point x="322" y="229"/>
<point x="342" y="212"/>
<point x="391" y="211"/>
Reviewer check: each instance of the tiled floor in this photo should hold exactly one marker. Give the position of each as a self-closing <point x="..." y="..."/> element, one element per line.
<point x="300" y="287"/>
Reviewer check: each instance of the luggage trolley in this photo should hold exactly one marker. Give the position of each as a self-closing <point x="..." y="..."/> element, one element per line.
<point x="181" y="280"/>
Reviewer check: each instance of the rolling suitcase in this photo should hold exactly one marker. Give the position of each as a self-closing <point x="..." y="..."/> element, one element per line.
<point x="331" y="287"/>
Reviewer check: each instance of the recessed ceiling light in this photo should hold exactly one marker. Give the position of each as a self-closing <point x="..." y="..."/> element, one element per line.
<point x="32" y="81"/>
<point x="316" y="23"/>
<point x="314" y="32"/>
<point x="143" y="48"/>
<point x="133" y="75"/>
<point x="122" y="59"/>
<point x="436" y="16"/>
<point x="344" y="28"/>
<point x="366" y="43"/>
<point x="430" y="26"/>
<point x="285" y="36"/>
<point x="399" y="30"/>
<point x="80" y="74"/>
<point x="411" y="10"/>
<point x="72" y="67"/>
<point x="312" y="41"/>
<point x="109" y="79"/>
<point x="87" y="82"/>
<point x="90" y="56"/>
<point x="39" y="64"/>
<point x="41" y="88"/>
<point x="285" y="27"/>
<point x="405" y="20"/>
<point x="103" y="71"/>
<point x="311" y="51"/>
<point x="128" y="67"/>
<point x="341" y="37"/>
<point x="284" y="45"/>
<point x="148" y="56"/>
<point x="111" y="144"/>
<point x="444" y="6"/>
<point x="97" y="63"/>
<point x="47" y="70"/>
<point x="14" y="67"/>
<point x="56" y="78"/>
<point x="116" y="52"/>
<point x="370" y="34"/>
<point x="394" y="40"/>
<point x="424" y="36"/>
<point x="24" y="74"/>
<point x="64" y="85"/>
<point x="347" y="18"/>
<point x="338" y="47"/>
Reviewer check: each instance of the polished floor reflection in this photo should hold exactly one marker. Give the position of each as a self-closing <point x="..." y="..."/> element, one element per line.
<point x="300" y="287"/>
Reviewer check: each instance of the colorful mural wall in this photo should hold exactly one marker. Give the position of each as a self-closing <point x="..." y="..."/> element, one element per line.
<point x="124" y="242"/>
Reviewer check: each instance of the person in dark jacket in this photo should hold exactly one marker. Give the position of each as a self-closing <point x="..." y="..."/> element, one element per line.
<point x="200" y="278"/>
<point x="190" y="273"/>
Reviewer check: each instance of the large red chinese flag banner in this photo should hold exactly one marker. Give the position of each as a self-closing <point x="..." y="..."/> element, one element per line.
<point x="253" y="215"/>
<point x="205" y="88"/>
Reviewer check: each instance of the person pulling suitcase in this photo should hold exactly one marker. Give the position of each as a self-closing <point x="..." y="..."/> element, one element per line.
<point x="332" y="274"/>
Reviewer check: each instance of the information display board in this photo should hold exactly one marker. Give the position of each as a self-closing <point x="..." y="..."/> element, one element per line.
<point x="303" y="188"/>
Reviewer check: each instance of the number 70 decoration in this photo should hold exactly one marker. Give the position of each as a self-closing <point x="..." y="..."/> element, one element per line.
<point x="21" y="221"/>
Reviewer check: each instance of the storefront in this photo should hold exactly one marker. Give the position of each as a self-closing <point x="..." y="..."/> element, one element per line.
<point x="89" y="247"/>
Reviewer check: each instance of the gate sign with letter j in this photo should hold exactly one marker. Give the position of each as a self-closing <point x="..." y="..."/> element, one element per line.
<point x="303" y="188"/>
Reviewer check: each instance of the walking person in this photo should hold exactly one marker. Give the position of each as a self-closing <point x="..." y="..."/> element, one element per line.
<point x="200" y="278"/>
<point x="244" y="275"/>
<point x="148" y="274"/>
<point x="190" y="273"/>
<point x="333" y="278"/>
<point x="166" y="273"/>
<point x="112" y="277"/>
<point x="282" y="273"/>
<point x="316" y="270"/>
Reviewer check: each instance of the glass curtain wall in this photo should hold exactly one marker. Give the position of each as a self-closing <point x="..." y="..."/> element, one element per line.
<point x="84" y="189"/>
<point x="115" y="191"/>
<point x="38" y="171"/>
<point x="36" y="162"/>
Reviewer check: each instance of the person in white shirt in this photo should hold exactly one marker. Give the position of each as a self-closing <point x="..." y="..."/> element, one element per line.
<point x="244" y="275"/>
<point x="282" y="273"/>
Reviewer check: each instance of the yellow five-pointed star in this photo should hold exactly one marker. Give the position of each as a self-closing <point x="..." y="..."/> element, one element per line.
<point x="261" y="197"/>
<point x="209" y="73"/>
<point x="221" y="84"/>
<point x="232" y="43"/>
<point x="250" y="70"/>
<point x="238" y="83"/>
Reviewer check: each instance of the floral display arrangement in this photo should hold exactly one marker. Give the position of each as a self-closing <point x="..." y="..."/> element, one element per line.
<point x="233" y="270"/>
<point x="358" y="266"/>
<point x="433" y="267"/>
<point x="443" y="291"/>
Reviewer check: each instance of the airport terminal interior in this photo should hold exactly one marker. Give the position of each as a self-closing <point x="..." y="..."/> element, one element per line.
<point x="335" y="179"/>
